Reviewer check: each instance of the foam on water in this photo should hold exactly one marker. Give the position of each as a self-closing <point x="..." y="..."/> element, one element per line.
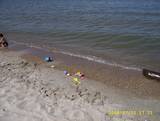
<point x="87" y="57"/>
<point x="99" y="60"/>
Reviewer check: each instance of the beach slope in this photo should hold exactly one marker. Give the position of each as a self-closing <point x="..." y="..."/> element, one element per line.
<point x="36" y="92"/>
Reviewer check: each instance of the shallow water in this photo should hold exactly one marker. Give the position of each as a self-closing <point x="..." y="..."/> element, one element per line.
<point x="118" y="32"/>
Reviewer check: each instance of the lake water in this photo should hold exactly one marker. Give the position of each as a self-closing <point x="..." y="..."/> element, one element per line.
<point x="123" y="33"/>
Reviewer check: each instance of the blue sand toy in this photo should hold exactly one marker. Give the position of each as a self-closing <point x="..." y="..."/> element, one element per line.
<point x="48" y="59"/>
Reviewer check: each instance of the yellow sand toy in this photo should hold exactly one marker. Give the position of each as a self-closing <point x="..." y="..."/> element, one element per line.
<point x="76" y="81"/>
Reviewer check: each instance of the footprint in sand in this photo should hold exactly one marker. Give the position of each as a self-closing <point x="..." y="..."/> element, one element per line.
<point x="78" y="115"/>
<point x="28" y="105"/>
<point x="3" y="92"/>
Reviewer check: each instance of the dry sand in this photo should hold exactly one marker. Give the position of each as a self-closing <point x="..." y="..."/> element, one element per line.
<point x="31" y="91"/>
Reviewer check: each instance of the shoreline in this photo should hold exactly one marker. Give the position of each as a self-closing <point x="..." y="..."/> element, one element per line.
<point x="109" y="56"/>
<point x="116" y="77"/>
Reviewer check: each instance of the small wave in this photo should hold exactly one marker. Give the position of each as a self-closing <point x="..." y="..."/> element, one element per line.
<point x="87" y="57"/>
<point x="99" y="60"/>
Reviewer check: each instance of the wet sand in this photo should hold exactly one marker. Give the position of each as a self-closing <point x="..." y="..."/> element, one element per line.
<point x="125" y="79"/>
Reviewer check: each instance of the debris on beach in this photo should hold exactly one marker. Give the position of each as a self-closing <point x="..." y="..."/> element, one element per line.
<point x="68" y="74"/>
<point x="52" y="66"/>
<point x="48" y="59"/>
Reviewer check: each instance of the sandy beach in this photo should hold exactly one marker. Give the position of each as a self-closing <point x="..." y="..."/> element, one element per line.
<point x="79" y="60"/>
<point x="33" y="91"/>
